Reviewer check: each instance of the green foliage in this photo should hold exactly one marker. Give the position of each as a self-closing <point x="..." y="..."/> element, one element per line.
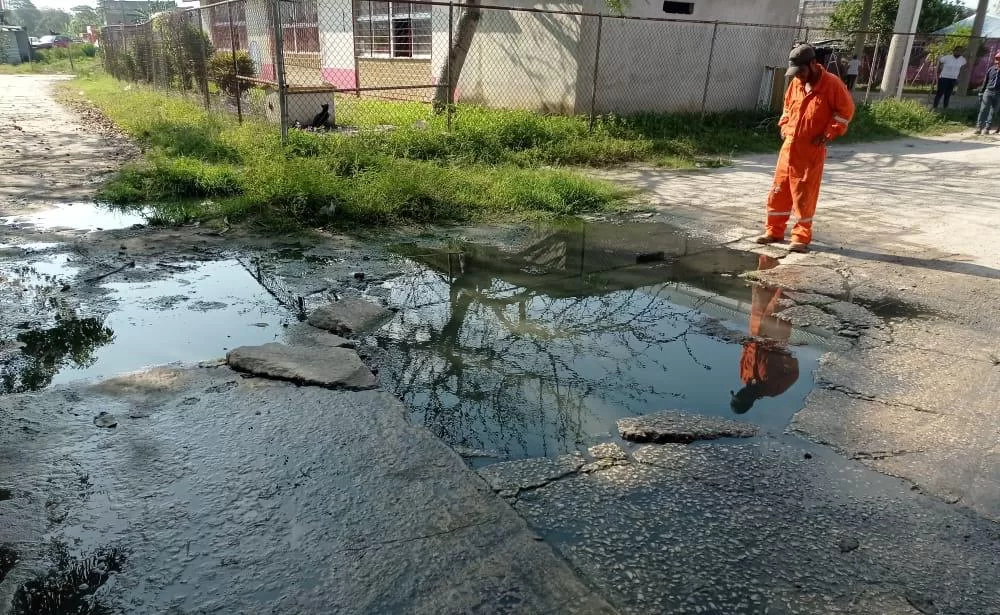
<point x="203" y="165"/>
<point x="220" y="71"/>
<point x="184" y="49"/>
<point x="493" y="163"/>
<point x="934" y="15"/>
<point x="946" y="45"/>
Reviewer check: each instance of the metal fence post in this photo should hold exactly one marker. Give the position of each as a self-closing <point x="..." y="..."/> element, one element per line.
<point x="451" y="57"/>
<point x="279" y="68"/>
<point x="203" y="73"/>
<point x="236" y="71"/>
<point x="708" y="73"/>
<point x="597" y="66"/>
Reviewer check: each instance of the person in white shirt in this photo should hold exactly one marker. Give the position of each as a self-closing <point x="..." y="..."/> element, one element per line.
<point x="951" y="66"/>
<point x="853" y="69"/>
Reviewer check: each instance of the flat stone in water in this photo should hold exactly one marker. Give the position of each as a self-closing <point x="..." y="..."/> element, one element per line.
<point x="349" y="316"/>
<point x="678" y="427"/>
<point x="328" y="367"/>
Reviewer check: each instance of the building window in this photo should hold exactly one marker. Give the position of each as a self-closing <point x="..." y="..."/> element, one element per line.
<point x="391" y="30"/>
<point x="300" y="26"/>
<point x="220" y="25"/>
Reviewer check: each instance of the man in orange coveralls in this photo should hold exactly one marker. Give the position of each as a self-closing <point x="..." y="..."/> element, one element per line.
<point x="767" y="368"/>
<point x="818" y="108"/>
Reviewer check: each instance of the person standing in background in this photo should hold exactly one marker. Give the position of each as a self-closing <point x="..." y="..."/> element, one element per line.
<point x="950" y="67"/>
<point x="853" y="69"/>
<point x="989" y="96"/>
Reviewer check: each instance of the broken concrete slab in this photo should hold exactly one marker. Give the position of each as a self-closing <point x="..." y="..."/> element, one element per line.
<point x="513" y="476"/>
<point x="328" y="367"/>
<point x="349" y="316"/>
<point x="680" y="427"/>
<point x="755" y="527"/>
<point x="853" y="314"/>
<point x="805" y="278"/>
<point x="608" y="450"/>
<point x="808" y="316"/>
<point x="803" y="298"/>
<point x="304" y="334"/>
<point x="266" y="497"/>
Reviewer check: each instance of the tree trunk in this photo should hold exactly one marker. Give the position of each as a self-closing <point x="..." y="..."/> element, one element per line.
<point x="468" y="23"/>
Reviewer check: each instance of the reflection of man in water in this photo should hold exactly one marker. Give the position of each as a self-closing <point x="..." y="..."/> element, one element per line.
<point x="767" y="368"/>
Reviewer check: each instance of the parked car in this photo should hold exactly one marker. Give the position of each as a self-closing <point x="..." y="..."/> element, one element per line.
<point x="50" y="41"/>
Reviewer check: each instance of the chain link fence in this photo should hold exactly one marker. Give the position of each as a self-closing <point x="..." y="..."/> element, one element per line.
<point x="371" y="64"/>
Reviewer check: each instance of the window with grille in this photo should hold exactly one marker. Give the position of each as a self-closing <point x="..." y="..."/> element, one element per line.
<point x="300" y="26"/>
<point x="392" y="29"/>
<point x="220" y="25"/>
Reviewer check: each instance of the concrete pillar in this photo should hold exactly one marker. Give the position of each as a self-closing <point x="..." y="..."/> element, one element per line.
<point x="899" y="49"/>
<point x="973" y="51"/>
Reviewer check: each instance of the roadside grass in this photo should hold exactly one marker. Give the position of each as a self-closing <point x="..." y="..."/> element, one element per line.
<point x="202" y="165"/>
<point x="492" y="164"/>
<point x="57" y="62"/>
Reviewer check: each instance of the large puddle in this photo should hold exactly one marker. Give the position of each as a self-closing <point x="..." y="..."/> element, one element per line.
<point x="513" y="353"/>
<point x="539" y="352"/>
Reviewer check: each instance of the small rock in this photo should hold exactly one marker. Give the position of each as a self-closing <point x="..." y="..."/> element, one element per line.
<point x="359" y="275"/>
<point x="849" y="333"/>
<point x="105" y="420"/>
<point x="848" y="544"/>
<point x="922" y="603"/>
<point x="807" y="456"/>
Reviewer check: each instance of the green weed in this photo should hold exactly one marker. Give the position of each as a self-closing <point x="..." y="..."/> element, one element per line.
<point x="405" y="165"/>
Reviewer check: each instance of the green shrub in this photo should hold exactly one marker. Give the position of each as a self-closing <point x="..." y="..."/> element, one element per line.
<point x="220" y="71"/>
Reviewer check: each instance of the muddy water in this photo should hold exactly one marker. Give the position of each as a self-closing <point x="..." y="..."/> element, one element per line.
<point x="539" y="351"/>
<point x="522" y="351"/>
<point x="197" y="313"/>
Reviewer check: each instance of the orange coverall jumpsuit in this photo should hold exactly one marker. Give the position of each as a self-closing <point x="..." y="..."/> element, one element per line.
<point x="824" y="111"/>
<point x="771" y="367"/>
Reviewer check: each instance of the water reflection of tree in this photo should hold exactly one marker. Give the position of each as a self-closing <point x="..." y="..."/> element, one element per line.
<point x="482" y="356"/>
<point x="40" y="353"/>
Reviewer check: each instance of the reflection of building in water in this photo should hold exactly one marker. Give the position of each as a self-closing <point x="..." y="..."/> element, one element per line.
<point x="767" y="367"/>
<point x="594" y="259"/>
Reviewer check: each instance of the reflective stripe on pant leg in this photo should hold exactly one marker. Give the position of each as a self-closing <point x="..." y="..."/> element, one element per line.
<point x="805" y="194"/>
<point x="779" y="205"/>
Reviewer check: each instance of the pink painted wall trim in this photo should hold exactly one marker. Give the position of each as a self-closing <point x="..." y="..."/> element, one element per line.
<point x="341" y="78"/>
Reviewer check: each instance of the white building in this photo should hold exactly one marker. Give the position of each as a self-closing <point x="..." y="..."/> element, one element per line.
<point x="537" y="60"/>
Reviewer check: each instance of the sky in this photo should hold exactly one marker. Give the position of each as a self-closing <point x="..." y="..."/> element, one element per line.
<point x="68" y="4"/>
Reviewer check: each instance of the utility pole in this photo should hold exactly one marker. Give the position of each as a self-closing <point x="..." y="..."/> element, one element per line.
<point x="862" y="36"/>
<point x="899" y="49"/>
<point x="972" y="53"/>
